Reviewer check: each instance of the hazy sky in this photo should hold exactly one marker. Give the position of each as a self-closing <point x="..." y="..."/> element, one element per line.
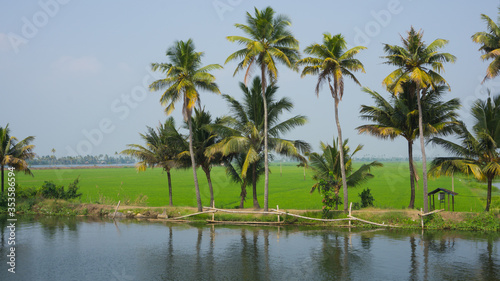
<point x="74" y="74"/>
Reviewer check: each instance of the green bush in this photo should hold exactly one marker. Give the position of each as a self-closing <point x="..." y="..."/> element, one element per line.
<point x="366" y="198"/>
<point x="481" y="222"/>
<point x="330" y="199"/>
<point x="25" y="192"/>
<point x="50" y="191"/>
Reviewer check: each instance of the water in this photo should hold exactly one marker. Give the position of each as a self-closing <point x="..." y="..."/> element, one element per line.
<point x="69" y="248"/>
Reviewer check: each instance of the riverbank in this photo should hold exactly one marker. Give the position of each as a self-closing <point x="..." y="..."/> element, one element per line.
<point x="408" y="219"/>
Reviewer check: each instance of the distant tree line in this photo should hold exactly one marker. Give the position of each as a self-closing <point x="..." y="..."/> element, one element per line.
<point x="81" y="160"/>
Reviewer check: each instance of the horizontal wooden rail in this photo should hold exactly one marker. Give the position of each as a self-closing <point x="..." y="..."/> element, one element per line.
<point x="211" y="210"/>
<point x="430" y="213"/>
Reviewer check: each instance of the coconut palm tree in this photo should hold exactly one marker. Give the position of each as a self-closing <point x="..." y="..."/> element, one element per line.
<point x="420" y="64"/>
<point x="331" y="61"/>
<point x="269" y="41"/>
<point x="244" y="129"/>
<point x="184" y="77"/>
<point x="162" y="149"/>
<point x="14" y="153"/>
<point x="490" y="46"/>
<point x="477" y="154"/>
<point x="53" y="156"/>
<point x="328" y="172"/>
<point x="398" y="117"/>
<point x="204" y="137"/>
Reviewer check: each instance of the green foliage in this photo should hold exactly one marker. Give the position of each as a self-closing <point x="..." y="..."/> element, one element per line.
<point x="395" y="218"/>
<point x="73" y="190"/>
<point x="3" y="200"/>
<point x="366" y="198"/>
<point x="14" y="153"/>
<point x="481" y="222"/>
<point x="56" y="207"/>
<point x="51" y="190"/>
<point x="25" y="192"/>
<point x="327" y="172"/>
<point x="141" y="200"/>
<point x="330" y="199"/>
<point x="477" y="153"/>
<point x="476" y="222"/>
<point x="489" y="41"/>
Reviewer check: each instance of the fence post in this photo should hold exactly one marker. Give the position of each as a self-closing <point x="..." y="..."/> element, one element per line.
<point x="116" y="209"/>
<point x="278" y="209"/>
<point x="422" y="218"/>
<point x="213" y="214"/>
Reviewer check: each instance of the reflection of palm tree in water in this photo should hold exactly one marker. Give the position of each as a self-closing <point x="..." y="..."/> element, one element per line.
<point x="170" y="255"/>
<point x="331" y="258"/>
<point x="199" y="259"/>
<point x="250" y="255"/>
<point x="489" y="263"/>
<point x="210" y="254"/>
<point x="445" y="245"/>
<point x="413" y="258"/>
<point x="266" y="251"/>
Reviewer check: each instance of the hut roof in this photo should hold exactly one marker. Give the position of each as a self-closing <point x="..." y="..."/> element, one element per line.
<point x="443" y="190"/>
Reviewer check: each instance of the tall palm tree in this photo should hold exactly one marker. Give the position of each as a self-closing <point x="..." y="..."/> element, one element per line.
<point x="14" y="153"/>
<point x="490" y="46"/>
<point x="420" y="64"/>
<point x="399" y="117"/>
<point x="184" y="76"/>
<point x="53" y="156"/>
<point x="331" y="61"/>
<point x="269" y="41"/>
<point x="162" y="149"/>
<point x="244" y="129"/>
<point x="204" y="137"/>
<point x="477" y="154"/>
<point x="327" y="169"/>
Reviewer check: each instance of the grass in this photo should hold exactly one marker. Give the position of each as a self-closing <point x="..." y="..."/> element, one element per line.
<point x="289" y="190"/>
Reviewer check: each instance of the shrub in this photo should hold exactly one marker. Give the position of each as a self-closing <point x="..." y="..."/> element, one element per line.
<point x="50" y="190"/>
<point x="366" y="198"/>
<point x="481" y="222"/>
<point x="73" y="190"/>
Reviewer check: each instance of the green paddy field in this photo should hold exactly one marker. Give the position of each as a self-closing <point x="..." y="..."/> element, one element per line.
<point x="288" y="188"/>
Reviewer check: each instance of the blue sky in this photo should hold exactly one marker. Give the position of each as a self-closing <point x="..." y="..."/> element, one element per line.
<point x="74" y="74"/>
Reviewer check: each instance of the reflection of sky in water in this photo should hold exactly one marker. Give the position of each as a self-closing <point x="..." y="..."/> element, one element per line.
<point x="71" y="249"/>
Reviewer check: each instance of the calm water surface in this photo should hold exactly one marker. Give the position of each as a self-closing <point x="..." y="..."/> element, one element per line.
<point x="69" y="248"/>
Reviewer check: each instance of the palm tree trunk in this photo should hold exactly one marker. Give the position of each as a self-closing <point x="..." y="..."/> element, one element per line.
<point x="1" y="167"/>
<point x="171" y="203"/>
<point x="341" y="153"/>
<point x="266" y="164"/>
<point x="193" y="163"/>
<point x="243" y="195"/>
<point x="422" y="147"/>
<point x="412" y="176"/>
<point x="488" y="197"/>
<point x="254" y="187"/>
<point x="210" y="187"/>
